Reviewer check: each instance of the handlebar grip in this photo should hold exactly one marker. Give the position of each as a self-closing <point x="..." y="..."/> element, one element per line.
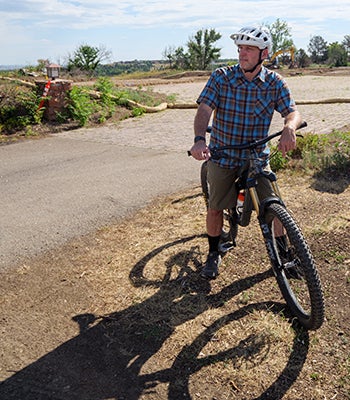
<point x="302" y="125"/>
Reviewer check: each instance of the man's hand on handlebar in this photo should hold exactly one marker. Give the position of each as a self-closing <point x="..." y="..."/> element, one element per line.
<point x="200" y="151"/>
<point x="288" y="140"/>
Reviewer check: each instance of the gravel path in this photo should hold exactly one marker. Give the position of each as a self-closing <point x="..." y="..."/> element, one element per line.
<point x="321" y="118"/>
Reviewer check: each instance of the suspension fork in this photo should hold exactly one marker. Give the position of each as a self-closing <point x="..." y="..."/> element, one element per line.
<point x="264" y="226"/>
<point x="276" y="189"/>
<point x="270" y="245"/>
<point x="255" y="199"/>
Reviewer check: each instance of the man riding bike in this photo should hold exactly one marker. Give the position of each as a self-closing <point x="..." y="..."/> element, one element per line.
<point x="243" y="98"/>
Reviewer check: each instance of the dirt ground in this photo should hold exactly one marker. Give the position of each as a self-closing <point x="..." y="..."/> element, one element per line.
<point x="122" y="313"/>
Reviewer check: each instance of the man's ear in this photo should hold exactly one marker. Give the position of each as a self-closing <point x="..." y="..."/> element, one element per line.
<point x="265" y="54"/>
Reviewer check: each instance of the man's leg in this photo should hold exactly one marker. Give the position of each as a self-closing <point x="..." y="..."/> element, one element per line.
<point x="214" y="227"/>
<point x="221" y="196"/>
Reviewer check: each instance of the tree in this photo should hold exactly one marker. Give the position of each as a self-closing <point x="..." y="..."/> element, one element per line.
<point x="346" y="44"/>
<point x="281" y="35"/>
<point x="42" y="62"/>
<point x="169" y="54"/>
<point x="87" y="58"/>
<point x="177" y="57"/>
<point x="180" y="58"/>
<point x="302" y="59"/>
<point x="201" y="50"/>
<point x="318" y="49"/>
<point x="337" y="55"/>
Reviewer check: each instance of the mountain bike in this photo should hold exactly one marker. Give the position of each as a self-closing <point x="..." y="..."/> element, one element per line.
<point x="292" y="262"/>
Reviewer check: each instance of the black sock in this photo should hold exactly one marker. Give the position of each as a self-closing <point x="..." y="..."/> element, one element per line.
<point x="213" y="243"/>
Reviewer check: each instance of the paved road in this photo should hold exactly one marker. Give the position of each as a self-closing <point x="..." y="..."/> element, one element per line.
<point x="75" y="182"/>
<point x="70" y="184"/>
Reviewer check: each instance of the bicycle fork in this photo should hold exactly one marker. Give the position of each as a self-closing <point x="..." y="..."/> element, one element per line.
<point x="264" y="225"/>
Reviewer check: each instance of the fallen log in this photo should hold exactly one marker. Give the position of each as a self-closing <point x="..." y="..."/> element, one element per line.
<point x="20" y="81"/>
<point x="148" y="109"/>
<point x="323" y="101"/>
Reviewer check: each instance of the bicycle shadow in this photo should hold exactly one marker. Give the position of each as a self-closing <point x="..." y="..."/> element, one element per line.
<point x="246" y="349"/>
<point x="105" y="360"/>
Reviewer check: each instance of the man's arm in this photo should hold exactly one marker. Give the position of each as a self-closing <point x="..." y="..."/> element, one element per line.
<point x="288" y="138"/>
<point x="200" y="150"/>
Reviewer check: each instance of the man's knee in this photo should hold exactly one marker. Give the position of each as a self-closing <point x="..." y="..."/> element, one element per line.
<point x="214" y="213"/>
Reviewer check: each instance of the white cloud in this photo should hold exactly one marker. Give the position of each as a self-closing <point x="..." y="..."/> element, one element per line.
<point x="105" y="21"/>
<point x="146" y="13"/>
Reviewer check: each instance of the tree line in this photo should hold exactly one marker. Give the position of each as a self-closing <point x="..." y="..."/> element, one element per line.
<point x="201" y="53"/>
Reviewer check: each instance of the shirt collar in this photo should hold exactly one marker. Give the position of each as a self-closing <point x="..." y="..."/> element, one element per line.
<point x="261" y="75"/>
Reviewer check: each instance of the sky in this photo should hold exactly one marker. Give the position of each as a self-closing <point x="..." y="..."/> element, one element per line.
<point x="142" y="29"/>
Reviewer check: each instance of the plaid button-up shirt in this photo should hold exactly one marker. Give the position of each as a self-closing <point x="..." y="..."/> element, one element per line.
<point x="244" y="109"/>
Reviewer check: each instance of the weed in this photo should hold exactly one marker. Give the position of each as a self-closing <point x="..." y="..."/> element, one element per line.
<point x="81" y="107"/>
<point x="29" y="132"/>
<point x="278" y="162"/>
<point x="246" y="297"/>
<point x="107" y="105"/>
<point x="336" y="256"/>
<point x="138" y="111"/>
<point x="315" y="376"/>
<point x="323" y="154"/>
<point x="18" y="108"/>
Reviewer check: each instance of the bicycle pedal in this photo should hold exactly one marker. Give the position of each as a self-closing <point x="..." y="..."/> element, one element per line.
<point x="226" y="246"/>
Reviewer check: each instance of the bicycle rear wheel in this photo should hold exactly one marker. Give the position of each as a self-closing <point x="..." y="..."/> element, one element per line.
<point x="298" y="278"/>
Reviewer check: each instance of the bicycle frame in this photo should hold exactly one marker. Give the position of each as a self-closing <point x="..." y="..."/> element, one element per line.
<point x="255" y="169"/>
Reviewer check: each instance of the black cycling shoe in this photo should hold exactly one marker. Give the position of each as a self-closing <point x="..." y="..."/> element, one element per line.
<point x="211" y="266"/>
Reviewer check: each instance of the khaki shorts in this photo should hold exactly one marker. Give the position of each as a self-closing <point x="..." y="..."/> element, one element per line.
<point x="222" y="186"/>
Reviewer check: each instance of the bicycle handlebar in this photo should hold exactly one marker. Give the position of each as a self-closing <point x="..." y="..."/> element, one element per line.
<point x="254" y="143"/>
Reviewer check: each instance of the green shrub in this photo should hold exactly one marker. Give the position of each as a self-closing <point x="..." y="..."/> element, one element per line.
<point x="277" y="161"/>
<point x="319" y="153"/>
<point x="18" y="108"/>
<point x="137" y="111"/>
<point x="106" y="103"/>
<point x="80" y="106"/>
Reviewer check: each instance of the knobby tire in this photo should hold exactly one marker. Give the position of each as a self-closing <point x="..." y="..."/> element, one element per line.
<point x="298" y="280"/>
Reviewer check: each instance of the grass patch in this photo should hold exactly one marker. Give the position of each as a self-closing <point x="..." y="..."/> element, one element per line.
<point x="325" y="157"/>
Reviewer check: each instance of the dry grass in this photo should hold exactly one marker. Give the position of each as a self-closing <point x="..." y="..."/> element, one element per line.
<point x="150" y="328"/>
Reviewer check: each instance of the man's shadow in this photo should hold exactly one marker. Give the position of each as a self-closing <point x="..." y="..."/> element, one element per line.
<point x="105" y="360"/>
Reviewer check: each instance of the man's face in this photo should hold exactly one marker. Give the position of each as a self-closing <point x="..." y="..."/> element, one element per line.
<point x="248" y="56"/>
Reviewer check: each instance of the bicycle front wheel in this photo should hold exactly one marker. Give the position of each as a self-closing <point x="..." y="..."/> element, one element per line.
<point x="298" y="278"/>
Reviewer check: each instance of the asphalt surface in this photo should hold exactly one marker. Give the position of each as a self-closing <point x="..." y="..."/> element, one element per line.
<point x="71" y="184"/>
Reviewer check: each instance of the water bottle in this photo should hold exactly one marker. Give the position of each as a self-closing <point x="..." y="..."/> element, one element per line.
<point x="239" y="205"/>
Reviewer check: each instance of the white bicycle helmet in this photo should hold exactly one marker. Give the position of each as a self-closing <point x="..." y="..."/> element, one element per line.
<point x="250" y="36"/>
